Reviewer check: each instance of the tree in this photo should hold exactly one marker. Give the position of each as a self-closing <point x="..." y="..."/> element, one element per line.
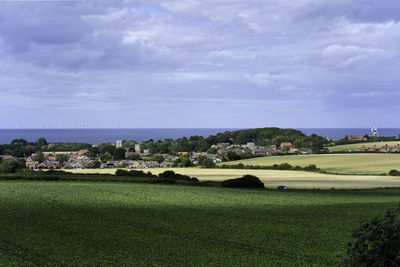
<point x="18" y="152"/>
<point x="62" y="158"/>
<point x="212" y="151"/>
<point x="247" y="181"/>
<point x="11" y="166"/>
<point x="19" y="142"/>
<point x="41" y="142"/>
<point x="377" y="241"/>
<point x="183" y="162"/>
<point x="106" y="147"/>
<point x="232" y="155"/>
<point x="158" y="158"/>
<point x="208" y="163"/>
<point x="92" y="152"/>
<point x="119" y="154"/>
<point x="105" y="157"/>
<point x="133" y="157"/>
<point x="95" y="164"/>
<point x="39" y="157"/>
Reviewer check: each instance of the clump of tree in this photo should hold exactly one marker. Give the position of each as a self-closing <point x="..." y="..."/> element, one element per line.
<point x="119" y="154"/>
<point x="247" y="181"/>
<point x="394" y="173"/>
<point x="376" y="242"/>
<point x="133" y="157"/>
<point x="11" y="166"/>
<point x="282" y="166"/>
<point x="177" y="176"/>
<point x="260" y="136"/>
<point x="23" y="148"/>
<point x="183" y="161"/>
<point x="206" y="162"/>
<point x="134" y="173"/>
<point x="62" y="159"/>
<point x="39" y="157"/>
<point x="165" y="175"/>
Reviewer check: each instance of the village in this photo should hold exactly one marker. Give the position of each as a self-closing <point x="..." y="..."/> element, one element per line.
<point x="142" y="159"/>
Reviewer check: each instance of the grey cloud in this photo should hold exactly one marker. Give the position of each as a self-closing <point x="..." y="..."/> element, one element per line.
<point x="303" y="61"/>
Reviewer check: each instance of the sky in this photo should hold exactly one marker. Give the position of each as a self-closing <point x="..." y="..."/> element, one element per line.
<point x="199" y="63"/>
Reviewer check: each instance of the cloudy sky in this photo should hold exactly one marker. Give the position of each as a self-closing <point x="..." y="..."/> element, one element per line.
<point x="199" y="63"/>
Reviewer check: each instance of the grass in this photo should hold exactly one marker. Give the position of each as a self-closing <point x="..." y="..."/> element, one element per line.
<point x="358" y="163"/>
<point x="358" y="145"/>
<point x="109" y="224"/>
<point x="273" y="178"/>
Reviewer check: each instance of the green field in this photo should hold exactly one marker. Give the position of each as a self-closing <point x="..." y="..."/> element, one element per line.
<point x="273" y="178"/>
<point x="111" y="224"/>
<point x="358" y="163"/>
<point x="358" y="145"/>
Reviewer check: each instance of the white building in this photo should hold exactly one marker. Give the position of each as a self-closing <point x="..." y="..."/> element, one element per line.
<point x="118" y="144"/>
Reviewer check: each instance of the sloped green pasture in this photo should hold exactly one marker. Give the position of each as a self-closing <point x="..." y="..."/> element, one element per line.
<point x="357" y="163"/>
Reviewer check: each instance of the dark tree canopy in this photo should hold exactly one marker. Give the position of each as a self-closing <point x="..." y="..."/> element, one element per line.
<point x="376" y="242"/>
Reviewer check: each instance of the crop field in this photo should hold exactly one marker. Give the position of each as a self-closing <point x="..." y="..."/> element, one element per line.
<point x="273" y="178"/>
<point x="358" y="163"/>
<point x="358" y="145"/>
<point x="111" y="224"/>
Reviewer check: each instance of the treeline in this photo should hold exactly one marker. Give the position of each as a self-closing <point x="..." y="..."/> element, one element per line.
<point x="283" y="166"/>
<point x="166" y="175"/>
<point x="23" y="148"/>
<point x="260" y="136"/>
<point x="133" y="176"/>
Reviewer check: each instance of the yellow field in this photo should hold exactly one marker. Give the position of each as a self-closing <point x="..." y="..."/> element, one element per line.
<point x="358" y="145"/>
<point x="360" y="163"/>
<point x="273" y="178"/>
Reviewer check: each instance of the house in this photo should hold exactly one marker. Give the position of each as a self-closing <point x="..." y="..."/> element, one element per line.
<point x="166" y="164"/>
<point x="262" y="151"/>
<point x="286" y="145"/>
<point x="222" y="151"/>
<point x="183" y="153"/>
<point x="32" y="165"/>
<point x="108" y="165"/>
<point x="355" y="138"/>
<point x="48" y="164"/>
<point x="223" y="144"/>
<point x="249" y="145"/>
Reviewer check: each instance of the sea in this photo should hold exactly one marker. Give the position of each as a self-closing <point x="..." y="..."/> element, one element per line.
<point x="97" y="136"/>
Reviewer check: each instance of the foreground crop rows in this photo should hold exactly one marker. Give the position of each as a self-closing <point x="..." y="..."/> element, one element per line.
<point x="72" y="224"/>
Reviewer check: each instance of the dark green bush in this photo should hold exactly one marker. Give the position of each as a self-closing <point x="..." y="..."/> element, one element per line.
<point x="285" y="166"/>
<point x="377" y="242"/>
<point x="394" y="173"/>
<point x="11" y="166"/>
<point x="311" y="167"/>
<point x="247" y="181"/>
<point x="134" y="173"/>
<point x="176" y="176"/>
